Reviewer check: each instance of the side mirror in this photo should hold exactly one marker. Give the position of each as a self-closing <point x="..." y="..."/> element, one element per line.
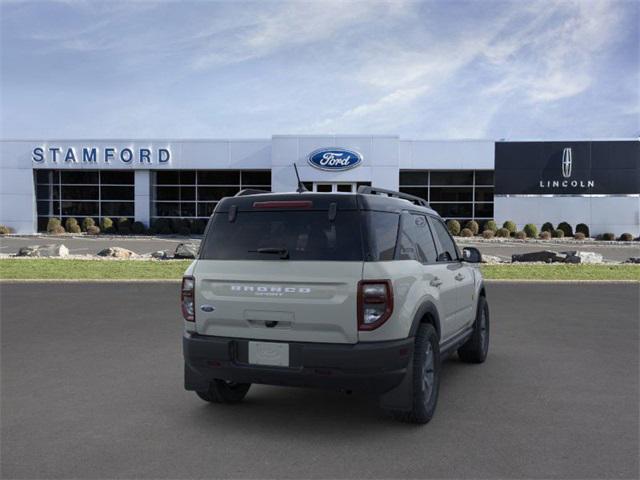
<point x="471" y="255"/>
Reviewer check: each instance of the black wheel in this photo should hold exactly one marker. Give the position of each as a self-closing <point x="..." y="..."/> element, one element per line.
<point x="221" y="391"/>
<point x="476" y="348"/>
<point x="426" y="376"/>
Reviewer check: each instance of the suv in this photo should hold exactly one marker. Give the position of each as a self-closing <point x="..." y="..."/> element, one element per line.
<point x="358" y="291"/>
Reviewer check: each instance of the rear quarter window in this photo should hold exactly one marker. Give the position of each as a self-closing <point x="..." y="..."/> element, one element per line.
<point x="381" y="234"/>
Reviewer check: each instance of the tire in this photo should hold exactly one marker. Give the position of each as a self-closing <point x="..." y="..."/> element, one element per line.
<point x="475" y="349"/>
<point x="426" y="376"/>
<point x="221" y="391"/>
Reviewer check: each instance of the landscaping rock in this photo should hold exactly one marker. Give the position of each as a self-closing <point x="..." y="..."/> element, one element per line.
<point x="53" y="250"/>
<point x="632" y="260"/>
<point x="186" y="250"/>
<point x="160" y="255"/>
<point x="116" y="252"/>
<point x="583" y="257"/>
<point x="546" y="256"/>
<point x="491" y="259"/>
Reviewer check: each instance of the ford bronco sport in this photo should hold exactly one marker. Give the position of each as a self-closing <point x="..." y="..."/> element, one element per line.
<point x="358" y="291"/>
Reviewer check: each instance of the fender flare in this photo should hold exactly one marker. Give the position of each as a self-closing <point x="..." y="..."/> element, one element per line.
<point x="426" y="308"/>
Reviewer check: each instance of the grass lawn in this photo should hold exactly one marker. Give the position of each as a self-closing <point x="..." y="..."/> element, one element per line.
<point x="51" y="269"/>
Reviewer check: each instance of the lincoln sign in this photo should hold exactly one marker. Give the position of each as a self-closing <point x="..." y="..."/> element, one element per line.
<point x="567" y="168"/>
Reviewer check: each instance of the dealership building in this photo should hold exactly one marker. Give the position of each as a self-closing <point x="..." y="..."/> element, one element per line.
<point x="596" y="182"/>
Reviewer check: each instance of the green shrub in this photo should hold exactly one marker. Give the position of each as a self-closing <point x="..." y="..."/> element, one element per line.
<point x="93" y="230"/>
<point x="557" y="233"/>
<point x="608" y="236"/>
<point x="547" y="227"/>
<point x="466" y="232"/>
<point x="161" y="226"/>
<point x="473" y="226"/>
<point x="88" y="222"/>
<point x="503" y="233"/>
<point x="138" y="228"/>
<point x="583" y="228"/>
<point x="124" y="226"/>
<point x="545" y="235"/>
<point x="521" y="235"/>
<point x="531" y="230"/>
<point x="454" y="227"/>
<point x="69" y="223"/>
<point x="198" y="226"/>
<point x="56" y="230"/>
<point x="626" y="237"/>
<point x="4" y="230"/>
<point x="106" y="225"/>
<point x="488" y="234"/>
<point x="509" y="225"/>
<point x="74" y="228"/>
<point x="52" y="224"/>
<point x="491" y="225"/>
<point x="579" y="236"/>
<point x="566" y="228"/>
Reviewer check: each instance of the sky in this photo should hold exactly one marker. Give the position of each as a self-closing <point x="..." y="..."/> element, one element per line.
<point x="420" y="70"/>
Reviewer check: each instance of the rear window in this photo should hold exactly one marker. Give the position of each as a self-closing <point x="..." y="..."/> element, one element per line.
<point x="264" y="235"/>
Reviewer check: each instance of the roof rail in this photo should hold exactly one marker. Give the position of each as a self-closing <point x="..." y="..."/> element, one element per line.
<point x="250" y="191"/>
<point x="365" y="189"/>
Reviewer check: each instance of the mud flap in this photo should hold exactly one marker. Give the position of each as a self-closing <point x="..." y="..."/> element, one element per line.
<point x="401" y="397"/>
<point x="193" y="380"/>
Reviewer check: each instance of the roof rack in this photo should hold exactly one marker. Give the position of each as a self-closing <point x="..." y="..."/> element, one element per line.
<point x="250" y="191"/>
<point x="365" y="189"/>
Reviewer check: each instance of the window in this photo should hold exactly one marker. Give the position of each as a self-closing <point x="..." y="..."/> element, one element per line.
<point x="416" y="242"/>
<point x="87" y="193"/>
<point x="195" y="193"/>
<point x="460" y="194"/>
<point x="382" y="228"/>
<point x="304" y="235"/>
<point x="447" y="245"/>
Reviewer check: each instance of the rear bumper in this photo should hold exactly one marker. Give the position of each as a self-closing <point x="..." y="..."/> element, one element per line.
<point x="371" y="367"/>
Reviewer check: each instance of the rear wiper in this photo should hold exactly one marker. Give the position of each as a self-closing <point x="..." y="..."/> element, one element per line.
<point x="283" y="252"/>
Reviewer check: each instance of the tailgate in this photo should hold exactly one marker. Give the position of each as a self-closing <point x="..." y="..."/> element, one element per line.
<point x="305" y="301"/>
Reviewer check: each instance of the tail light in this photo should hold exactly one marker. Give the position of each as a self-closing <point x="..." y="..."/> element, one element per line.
<point x="375" y="303"/>
<point x="187" y="296"/>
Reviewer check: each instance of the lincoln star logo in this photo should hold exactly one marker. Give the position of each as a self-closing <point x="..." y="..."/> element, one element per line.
<point x="334" y="159"/>
<point x="567" y="160"/>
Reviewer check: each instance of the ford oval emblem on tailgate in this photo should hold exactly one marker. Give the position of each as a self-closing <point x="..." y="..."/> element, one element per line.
<point x="207" y="308"/>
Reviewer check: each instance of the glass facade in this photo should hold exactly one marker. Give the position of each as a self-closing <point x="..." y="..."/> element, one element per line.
<point x="84" y="193"/>
<point x="195" y="193"/>
<point x="459" y="194"/>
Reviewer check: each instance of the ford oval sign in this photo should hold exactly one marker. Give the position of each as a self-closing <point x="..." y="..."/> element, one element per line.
<point x="334" y="159"/>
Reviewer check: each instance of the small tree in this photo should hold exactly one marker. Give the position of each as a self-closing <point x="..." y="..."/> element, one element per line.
<point x="547" y="227"/>
<point x="454" y="227"/>
<point x="473" y="226"/>
<point x="583" y="228"/>
<point x="106" y="225"/>
<point x="509" y="225"/>
<point x="566" y="228"/>
<point x="88" y="222"/>
<point x="531" y="230"/>
<point x="491" y="225"/>
<point x="503" y="233"/>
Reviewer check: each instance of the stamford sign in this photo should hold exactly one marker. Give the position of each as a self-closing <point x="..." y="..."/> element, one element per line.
<point x="334" y="159"/>
<point x="95" y="155"/>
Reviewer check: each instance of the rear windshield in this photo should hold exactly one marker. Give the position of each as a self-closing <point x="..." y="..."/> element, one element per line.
<point x="275" y="235"/>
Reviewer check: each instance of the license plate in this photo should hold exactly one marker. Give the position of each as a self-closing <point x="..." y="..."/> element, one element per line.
<point x="269" y="353"/>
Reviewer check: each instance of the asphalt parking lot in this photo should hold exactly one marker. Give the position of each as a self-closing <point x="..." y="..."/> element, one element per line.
<point x="92" y="388"/>
<point x="92" y="245"/>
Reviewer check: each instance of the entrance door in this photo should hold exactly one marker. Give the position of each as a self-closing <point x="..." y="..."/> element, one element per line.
<point x="334" y="187"/>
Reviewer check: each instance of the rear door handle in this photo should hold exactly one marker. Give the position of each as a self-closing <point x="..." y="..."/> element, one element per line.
<point x="459" y="277"/>
<point x="436" y="282"/>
